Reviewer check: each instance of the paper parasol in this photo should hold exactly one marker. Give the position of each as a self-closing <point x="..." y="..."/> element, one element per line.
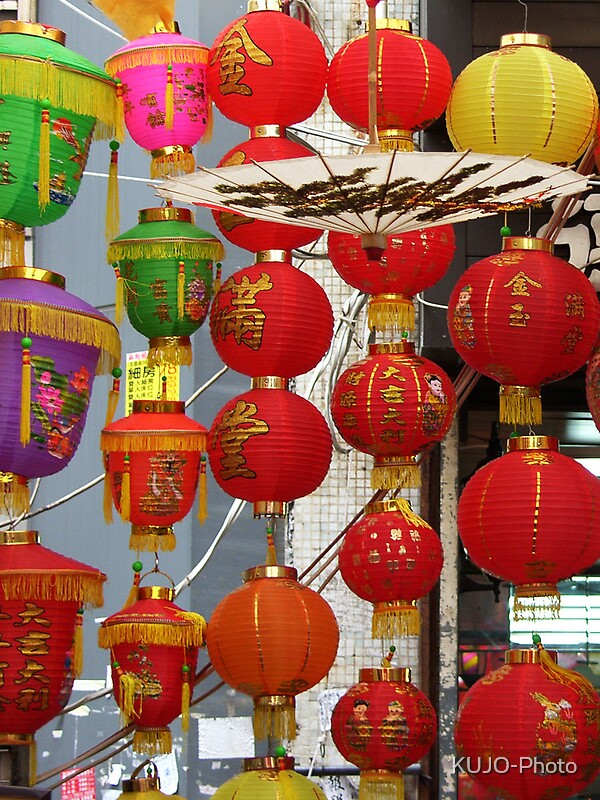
<point x="376" y="194"/>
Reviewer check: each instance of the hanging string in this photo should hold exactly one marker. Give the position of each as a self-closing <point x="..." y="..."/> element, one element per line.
<point x="526" y="7"/>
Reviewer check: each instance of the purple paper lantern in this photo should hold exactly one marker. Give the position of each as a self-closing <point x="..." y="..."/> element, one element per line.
<point x="52" y="344"/>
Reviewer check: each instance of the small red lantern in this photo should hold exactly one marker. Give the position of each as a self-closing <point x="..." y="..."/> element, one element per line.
<point x="42" y="595"/>
<point x="524" y="318"/>
<point x="267" y="68"/>
<point x="411" y="262"/>
<point x="516" y="518"/>
<point x="391" y="557"/>
<point x="266" y="143"/>
<point x="530" y="729"/>
<point x="152" y="460"/>
<point x="272" y="638"/>
<point x="413" y="83"/>
<point x="392" y="405"/>
<point x="260" y="315"/>
<point x="269" y="446"/>
<point x="383" y="724"/>
<point x="153" y="651"/>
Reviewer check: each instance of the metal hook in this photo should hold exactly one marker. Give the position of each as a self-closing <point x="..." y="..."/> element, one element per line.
<point x="526" y="7"/>
<point x="529" y="221"/>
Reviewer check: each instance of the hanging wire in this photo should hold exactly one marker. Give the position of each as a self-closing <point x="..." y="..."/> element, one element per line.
<point x="92" y="19"/>
<point x="526" y="7"/>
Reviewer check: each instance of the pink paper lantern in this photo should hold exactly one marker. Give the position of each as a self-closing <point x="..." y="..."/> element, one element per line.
<point x="165" y="105"/>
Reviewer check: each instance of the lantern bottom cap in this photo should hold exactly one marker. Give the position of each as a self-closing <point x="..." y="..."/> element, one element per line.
<point x="175" y="350"/>
<point x="520" y="405"/>
<point x="395" y="472"/>
<point x="534" y="601"/>
<point x="152" y="741"/>
<point x="274" y="716"/>
<point x="270" y="508"/>
<point x="14" y="493"/>
<point x="151" y="538"/>
<point x="391" y="312"/>
<point x="399" y="618"/>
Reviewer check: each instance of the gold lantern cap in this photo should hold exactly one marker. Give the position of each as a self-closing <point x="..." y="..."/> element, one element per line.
<point x="527" y="243"/>
<point x="155" y="593"/>
<point x="33" y="274"/>
<point x="33" y="29"/>
<point x="158" y="407"/>
<point x="167" y="27"/>
<point x="147" y="783"/>
<point x="392" y="348"/>
<point x="267" y="131"/>
<point x="268" y="762"/>
<point x="532" y="443"/>
<point x="165" y="214"/>
<point x="530" y="656"/>
<point x="263" y="5"/>
<point x="531" y="39"/>
<point x="270" y="571"/>
<point x="393" y="25"/>
<point x="19" y="537"/>
<point x="393" y="674"/>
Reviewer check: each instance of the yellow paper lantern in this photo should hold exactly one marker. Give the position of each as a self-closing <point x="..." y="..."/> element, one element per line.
<point x="269" y="778"/>
<point x="523" y="99"/>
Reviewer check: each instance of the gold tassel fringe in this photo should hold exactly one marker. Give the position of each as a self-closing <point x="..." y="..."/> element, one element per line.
<point x="12" y="243"/>
<point x="520" y="405"/>
<point x="152" y="741"/>
<point x="128" y="683"/>
<point x="395" y="619"/>
<point x="133" y="592"/>
<point x="78" y="646"/>
<point x="44" y="159"/>
<point x="178" y="353"/>
<point x="14" y="493"/>
<point x="388" y="144"/>
<point x="567" y="677"/>
<point x="120" y="126"/>
<point x="142" y="441"/>
<point x="113" y="216"/>
<point x="169" y="103"/>
<point x="404" y="507"/>
<point x="276" y="721"/>
<point x="154" y="55"/>
<point x="25" y="415"/>
<point x="60" y="323"/>
<point x="185" y="706"/>
<point x="107" y="502"/>
<point x="181" y="248"/>
<point x="380" y="785"/>
<point x="145" y="541"/>
<point x="173" y="163"/>
<point x="271" y="560"/>
<point x="391" y="312"/>
<point x="126" y="492"/>
<point x="181" y="291"/>
<point x="85" y="589"/>
<point x="396" y="476"/>
<point x="535" y="601"/>
<point x="202" y="492"/>
<point x="210" y="122"/>
<point x="187" y="633"/>
<point x="63" y="87"/>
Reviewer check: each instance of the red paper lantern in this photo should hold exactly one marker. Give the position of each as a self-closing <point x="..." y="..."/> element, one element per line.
<point x="272" y="638"/>
<point x="267" y="68"/>
<point x="260" y="316"/>
<point x="391" y="557"/>
<point x="411" y="262"/>
<point x="524" y="318"/>
<point x="592" y="386"/>
<point x="269" y="446"/>
<point x="516" y="518"/>
<point x="266" y="143"/>
<point x="413" y="83"/>
<point x="153" y="651"/>
<point x="152" y="460"/>
<point x="392" y="405"/>
<point x="42" y="595"/>
<point x="530" y="729"/>
<point x="382" y="725"/>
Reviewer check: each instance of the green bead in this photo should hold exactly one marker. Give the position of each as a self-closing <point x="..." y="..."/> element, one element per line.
<point x="117" y="372"/>
<point x="505" y="231"/>
<point x="45" y="103"/>
<point x="26" y="342"/>
<point x="137" y="566"/>
<point x="392" y="648"/>
<point x="537" y="639"/>
<point x="115" y="665"/>
<point x="514" y="434"/>
<point x="185" y="668"/>
<point x="280" y="751"/>
<point x="114" y="145"/>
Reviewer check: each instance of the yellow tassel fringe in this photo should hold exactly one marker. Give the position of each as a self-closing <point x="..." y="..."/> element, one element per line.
<point x="63" y="87"/>
<point x="185" y="706"/>
<point x="152" y="741"/>
<point x="380" y="785"/>
<point x="520" y="405"/>
<point x="107" y="503"/>
<point x="393" y="619"/>
<point x="67" y="586"/>
<point x="14" y="493"/>
<point x="25" y="415"/>
<point x="12" y="243"/>
<point x="392" y="476"/>
<point x="113" y="215"/>
<point x="78" y="647"/>
<point x="179" y="354"/>
<point x="44" y="161"/>
<point x="202" y="493"/>
<point x="169" y="103"/>
<point x="181" y="291"/>
<point x="278" y="722"/>
<point x="145" y="541"/>
<point x="59" y="323"/>
<point x="141" y="442"/>
<point x="188" y="632"/>
<point x="210" y="121"/>
<point x="180" y="248"/>
<point x="391" y="313"/>
<point x="388" y="144"/>
<point x="536" y="601"/>
<point x="126" y="495"/>
<point x="128" y="685"/>
<point x="156" y="54"/>
<point x="567" y="677"/>
<point x="173" y="163"/>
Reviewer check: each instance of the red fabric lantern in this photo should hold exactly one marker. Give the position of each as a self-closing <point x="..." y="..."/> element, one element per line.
<point x="413" y="83"/>
<point x="267" y="68"/>
<point x="411" y="262"/>
<point x="269" y="446"/>
<point x="383" y="724"/>
<point x="42" y="595"/>
<point x="592" y="386"/>
<point x="272" y="638"/>
<point x="524" y="318"/>
<point x="530" y="729"/>
<point x="153" y="651"/>
<point x="260" y="316"/>
<point x="266" y="143"/>
<point x="516" y="518"/>
<point x="392" y="405"/>
<point x="152" y="460"/>
<point x="391" y="557"/>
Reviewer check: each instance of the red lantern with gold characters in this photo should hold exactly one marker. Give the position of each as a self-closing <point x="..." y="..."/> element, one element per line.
<point x="153" y="463"/>
<point x="530" y="729"/>
<point x="267" y="68"/>
<point x="382" y="725"/>
<point x="42" y="597"/>
<point x="391" y="557"/>
<point x="516" y="518"/>
<point x="524" y="318"/>
<point x="392" y="405"/>
<point x="266" y="143"/>
<point x="272" y="638"/>
<point x="413" y="83"/>
<point x="260" y="315"/>
<point x="269" y="446"/>
<point x="411" y="262"/>
<point x="153" y="650"/>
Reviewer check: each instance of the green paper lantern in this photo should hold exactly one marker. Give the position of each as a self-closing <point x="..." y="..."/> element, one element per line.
<point x="52" y="101"/>
<point x="164" y="277"/>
